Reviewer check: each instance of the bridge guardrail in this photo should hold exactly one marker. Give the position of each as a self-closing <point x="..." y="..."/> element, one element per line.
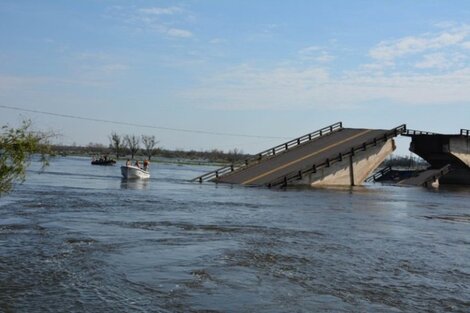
<point x="465" y="132"/>
<point x="270" y="152"/>
<point x="413" y="132"/>
<point x="443" y="171"/>
<point x="283" y="180"/>
<point x="379" y="174"/>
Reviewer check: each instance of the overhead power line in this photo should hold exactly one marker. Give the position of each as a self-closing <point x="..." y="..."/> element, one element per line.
<point x="197" y="131"/>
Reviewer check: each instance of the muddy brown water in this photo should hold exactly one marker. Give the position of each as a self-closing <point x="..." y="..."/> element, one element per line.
<point x="77" y="238"/>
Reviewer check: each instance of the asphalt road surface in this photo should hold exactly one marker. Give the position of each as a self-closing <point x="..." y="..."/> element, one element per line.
<point x="303" y="156"/>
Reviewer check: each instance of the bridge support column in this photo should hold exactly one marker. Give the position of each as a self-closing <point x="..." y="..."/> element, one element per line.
<point x="351" y="169"/>
<point x="460" y="148"/>
<point x="439" y="150"/>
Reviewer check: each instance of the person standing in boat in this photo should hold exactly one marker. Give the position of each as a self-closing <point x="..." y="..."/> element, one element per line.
<point x="146" y="165"/>
<point x="128" y="162"/>
<point x="137" y="164"/>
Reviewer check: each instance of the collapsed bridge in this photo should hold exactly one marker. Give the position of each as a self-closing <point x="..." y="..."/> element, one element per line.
<point x="333" y="155"/>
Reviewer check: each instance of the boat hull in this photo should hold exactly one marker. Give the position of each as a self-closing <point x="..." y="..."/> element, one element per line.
<point x="103" y="162"/>
<point x="132" y="172"/>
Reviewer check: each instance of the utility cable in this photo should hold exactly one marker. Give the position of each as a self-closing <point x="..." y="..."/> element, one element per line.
<point x="140" y="125"/>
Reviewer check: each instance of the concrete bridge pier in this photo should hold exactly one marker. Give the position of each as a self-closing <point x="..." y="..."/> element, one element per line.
<point x="440" y="150"/>
<point x="353" y="170"/>
<point x="459" y="148"/>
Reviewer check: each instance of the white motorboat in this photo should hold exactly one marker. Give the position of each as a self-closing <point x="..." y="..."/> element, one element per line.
<point x="132" y="172"/>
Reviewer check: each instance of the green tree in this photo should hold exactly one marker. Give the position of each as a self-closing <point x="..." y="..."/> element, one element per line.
<point x="17" y="145"/>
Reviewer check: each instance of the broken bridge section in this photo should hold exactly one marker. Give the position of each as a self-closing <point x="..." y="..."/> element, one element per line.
<point x="330" y="156"/>
<point x="426" y="178"/>
<point x="441" y="150"/>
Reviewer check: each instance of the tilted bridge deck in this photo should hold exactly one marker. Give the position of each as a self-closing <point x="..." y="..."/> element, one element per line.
<point x="409" y="177"/>
<point x="331" y="146"/>
<point x="427" y="177"/>
<point x="269" y="153"/>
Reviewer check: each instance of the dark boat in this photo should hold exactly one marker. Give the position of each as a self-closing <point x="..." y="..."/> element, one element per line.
<point x="103" y="162"/>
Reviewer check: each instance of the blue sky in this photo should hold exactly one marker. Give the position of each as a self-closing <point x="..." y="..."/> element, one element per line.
<point x="262" y="68"/>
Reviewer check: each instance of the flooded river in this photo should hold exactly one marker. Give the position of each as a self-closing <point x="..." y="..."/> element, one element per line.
<point x="77" y="238"/>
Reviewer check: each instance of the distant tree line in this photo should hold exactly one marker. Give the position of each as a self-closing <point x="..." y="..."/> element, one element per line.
<point x="405" y="162"/>
<point x="133" y="146"/>
<point x="213" y="155"/>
